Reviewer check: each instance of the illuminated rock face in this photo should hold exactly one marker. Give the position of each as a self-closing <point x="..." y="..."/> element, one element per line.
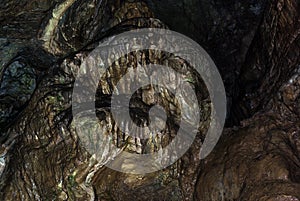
<point x="43" y="44"/>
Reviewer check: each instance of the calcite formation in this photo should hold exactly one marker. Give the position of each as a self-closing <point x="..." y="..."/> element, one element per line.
<point x="255" y="45"/>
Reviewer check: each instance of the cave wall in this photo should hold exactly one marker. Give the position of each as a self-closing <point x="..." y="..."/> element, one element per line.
<point x="255" y="45"/>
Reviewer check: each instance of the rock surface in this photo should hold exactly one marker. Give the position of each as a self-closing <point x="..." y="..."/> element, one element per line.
<point x="255" y="45"/>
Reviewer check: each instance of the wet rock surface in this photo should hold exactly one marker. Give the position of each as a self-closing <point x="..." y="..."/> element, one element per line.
<point x="275" y="58"/>
<point x="255" y="45"/>
<point x="259" y="160"/>
<point x="22" y="19"/>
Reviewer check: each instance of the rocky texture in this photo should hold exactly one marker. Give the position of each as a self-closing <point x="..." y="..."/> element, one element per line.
<point x="260" y="160"/>
<point x="225" y="29"/>
<point x="43" y="44"/>
<point x="276" y="57"/>
<point x="22" y="19"/>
